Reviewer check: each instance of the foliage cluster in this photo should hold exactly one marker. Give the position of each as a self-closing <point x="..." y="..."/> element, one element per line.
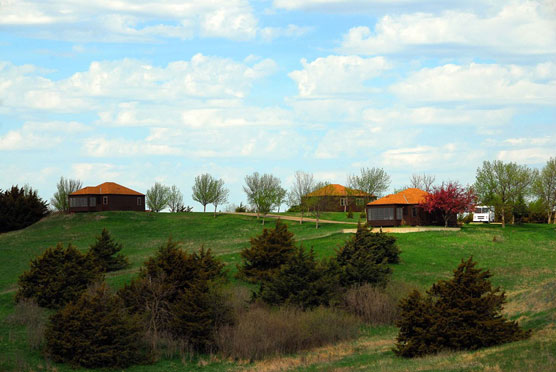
<point x="64" y="187"/>
<point x="264" y="193"/>
<point x="19" y="208"/>
<point x="208" y="190"/>
<point x="458" y="314"/>
<point x="449" y="199"/>
<point x="104" y="253"/>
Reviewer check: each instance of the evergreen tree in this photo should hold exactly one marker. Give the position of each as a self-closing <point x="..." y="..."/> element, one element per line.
<point x="95" y="331"/>
<point x="364" y="258"/>
<point x="267" y="253"/>
<point x="58" y="276"/>
<point x="301" y="281"/>
<point x="463" y="313"/>
<point x="103" y="253"/>
<point x="19" y="208"/>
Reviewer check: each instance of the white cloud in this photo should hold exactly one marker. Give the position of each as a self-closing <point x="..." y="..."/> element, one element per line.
<point x="481" y="84"/>
<point x="424" y="158"/>
<point x="128" y="20"/>
<point x="94" y="172"/>
<point x="528" y="141"/>
<point x="525" y="27"/>
<point x="26" y="87"/>
<point x="533" y="155"/>
<point x="39" y="135"/>
<point x="335" y="75"/>
<point x="358" y="6"/>
<point x="270" y="33"/>
<point x="101" y="147"/>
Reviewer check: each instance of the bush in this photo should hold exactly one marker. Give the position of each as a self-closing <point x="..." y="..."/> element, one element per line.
<point x="350" y="215"/>
<point x="302" y="281"/>
<point x="263" y="332"/>
<point x="57" y="277"/>
<point x="19" y="208"/>
<point x="363" y="259"/>
<point x="103" y="251"/>
<point x="29" y="314"/>
<point x="241" y="208"/>
<point x="458" y="314"/>
<point x="95" y="331"/>
<point x="372" y="305"/>
<point x="268" y="252"/>
<point x="363" y="215"/>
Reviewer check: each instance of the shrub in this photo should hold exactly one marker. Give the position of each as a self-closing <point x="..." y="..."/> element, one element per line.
<point x="364" y="258"/>
<point x="350" y="214"/>
<point x="57" y="277"/>
<point x="363" y="215"/>
<point x="372" y="305"/>
<point x="29" y="314"/>
<point x="263" y="332"/>
<point x="19" y="208"/>
<point x="458" y="314"/>
<point x="95" y="331"/>
<point x="267" y="253"/>
<point x="241" y="208"/>
<point x="302" y="281"/>
<point x="102" y="253"/>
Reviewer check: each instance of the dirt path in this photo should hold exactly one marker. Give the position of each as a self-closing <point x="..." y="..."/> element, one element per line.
<point x="293" y="218"/>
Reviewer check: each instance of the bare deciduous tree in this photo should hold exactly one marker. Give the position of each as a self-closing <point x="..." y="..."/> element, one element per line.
<point x="175" y="199"/>
<point x="303" y="184"/>
<point x="65" y="187"/>
<point x="545" y="188"/>
<point x="422" y="181"/>
<point x="220" y="194"/>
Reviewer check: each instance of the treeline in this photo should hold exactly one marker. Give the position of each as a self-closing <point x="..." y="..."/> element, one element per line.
<point x="182" y="303"/>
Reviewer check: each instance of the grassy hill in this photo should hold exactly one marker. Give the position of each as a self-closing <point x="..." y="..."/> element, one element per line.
<point x="522" y="259"/>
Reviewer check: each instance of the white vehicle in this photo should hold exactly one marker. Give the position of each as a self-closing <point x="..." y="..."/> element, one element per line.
<point x="483" y="213"/>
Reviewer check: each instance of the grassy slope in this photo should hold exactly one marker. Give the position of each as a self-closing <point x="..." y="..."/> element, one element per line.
<point x="522" y="259"/>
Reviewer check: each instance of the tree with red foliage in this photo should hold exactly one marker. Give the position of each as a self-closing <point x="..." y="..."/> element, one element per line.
<point x="449" y="199"/>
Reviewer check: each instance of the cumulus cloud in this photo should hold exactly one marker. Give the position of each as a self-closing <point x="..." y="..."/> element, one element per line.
<point x="519" y="28"/>
<point x="336" y="75"/>
<point x="40" y="135"/>
<point x="481" y="84"/>
<point x="532" y="155"/>
<point x="205" y="77"/>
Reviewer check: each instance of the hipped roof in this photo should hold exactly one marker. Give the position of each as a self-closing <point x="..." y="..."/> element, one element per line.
<point x="337" y="190"/>
<point x="111" y="188"/>
<point x="407" y="196"/>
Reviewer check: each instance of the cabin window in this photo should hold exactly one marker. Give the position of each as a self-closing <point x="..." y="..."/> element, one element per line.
<point x="343" y="202"/>
<point x="92" y="201"/>
<point x="139" y="201"/>
<point x="78" y="202"/>
<point x="381" y="214"/>
<point x="414" y="211"/>
<point x="105" y="200"/>
<point x="359" y="201"/>
<point x="399" y="213"/>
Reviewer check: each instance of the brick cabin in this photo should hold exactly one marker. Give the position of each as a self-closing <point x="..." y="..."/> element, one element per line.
<point x="403" y="209"/>
<point x="342" y="199"/>
<point x="108" y="196"/>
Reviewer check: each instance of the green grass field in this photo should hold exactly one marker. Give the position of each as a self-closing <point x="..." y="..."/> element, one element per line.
<point x="522" y="259"/>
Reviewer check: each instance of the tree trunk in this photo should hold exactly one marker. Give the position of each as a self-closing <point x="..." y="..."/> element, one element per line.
<point x="301" y="219"/>
<point x="513" y="219"/>
<point x="215" y="206"/>
<point x="317" y="223"/>
<point x="503" y="218"/>
<point x="549" y="217"/>
<point x="446" y="218"/>
<point x="263" y="220"/>
<point x="204" y="208"/>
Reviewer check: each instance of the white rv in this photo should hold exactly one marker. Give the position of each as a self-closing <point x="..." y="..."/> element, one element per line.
<point x="483" y="213"/>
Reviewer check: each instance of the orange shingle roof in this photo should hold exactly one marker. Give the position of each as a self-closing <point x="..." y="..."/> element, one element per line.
<point x="407" y="196"/>
<point x="111" y="188"/>
<point x="337" y="190"/>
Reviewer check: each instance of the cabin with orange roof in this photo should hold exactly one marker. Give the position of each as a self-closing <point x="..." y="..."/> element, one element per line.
<point x="338" y="198"/>
<point x="402" y="208"/>
<point x="108" y="196"/>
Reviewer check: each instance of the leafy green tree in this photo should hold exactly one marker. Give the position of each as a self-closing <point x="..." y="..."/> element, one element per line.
<point x="267" y="253"/>
<point x="158" y="197"/>
<point x="175" y="199"/>
<point x="19" y="208"/>
<point x="64" y="187"/>
<point x="95" y="331"/>
<point x="263" y="192"/>
<point x="364" y="258"/>
<point x="219" y="194"/>
<point x="57" y="277"/>
<point x="374" y="181"/>
<point x="463" y="313"/>
<point x="302" y="281"/>
<point x="103" y="253"/>
<point x="544" y="188"/>
<point x="203" y="190"/>
<point x="501" y="184"/>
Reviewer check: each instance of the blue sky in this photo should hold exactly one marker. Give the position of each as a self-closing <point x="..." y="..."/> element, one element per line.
<point x="136" y="91"/>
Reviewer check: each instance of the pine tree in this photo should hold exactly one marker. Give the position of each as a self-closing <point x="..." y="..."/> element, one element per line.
<point x="463" y="313"/>
<point x="364" y="258"/>
<point x="95" y="331"/>
<point x="103" y="253"/>
<point x="301" y="281"/>
<point x="58" y="276"/>
<point x="267" y="253"/>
